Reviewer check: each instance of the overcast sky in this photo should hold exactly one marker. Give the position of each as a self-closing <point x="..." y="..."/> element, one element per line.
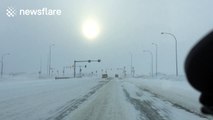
<point x="127" y="27"/>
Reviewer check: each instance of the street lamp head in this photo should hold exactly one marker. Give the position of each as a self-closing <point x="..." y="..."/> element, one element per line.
<point x="99" y="60"/>
<point x="155" y="44"/>
<point x="7" y="54"/>
<point x="162" y="32"/>
<point x="52" y="45"/>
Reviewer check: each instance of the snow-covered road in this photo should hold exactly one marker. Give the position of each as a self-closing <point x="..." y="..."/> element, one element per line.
<point x="122" y="100"/>
<point x="87" y="99"/>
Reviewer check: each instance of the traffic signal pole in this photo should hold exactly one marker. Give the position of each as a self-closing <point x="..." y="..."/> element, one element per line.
<point x="89" y="61"/>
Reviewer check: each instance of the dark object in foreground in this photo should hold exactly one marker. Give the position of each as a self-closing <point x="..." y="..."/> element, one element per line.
<point x="104" y="75"/>
<point x="116" y="76"/>
<point x="199" y="71"/>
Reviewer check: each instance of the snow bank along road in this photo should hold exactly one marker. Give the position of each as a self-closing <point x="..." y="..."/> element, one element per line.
<point x="86" y="99"/>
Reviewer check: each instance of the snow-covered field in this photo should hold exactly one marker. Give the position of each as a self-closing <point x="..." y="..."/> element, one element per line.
<point x="99" y="99"/>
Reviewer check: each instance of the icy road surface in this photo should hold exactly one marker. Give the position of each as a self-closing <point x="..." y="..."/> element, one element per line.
<point x="87" y="99"/>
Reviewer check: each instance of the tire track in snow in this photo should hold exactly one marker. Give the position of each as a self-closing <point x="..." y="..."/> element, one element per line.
<point x="145" y="108"/>
<point x="152" y="107"/>
<point x="70" y="106"/>
<point x="173" y="103"/>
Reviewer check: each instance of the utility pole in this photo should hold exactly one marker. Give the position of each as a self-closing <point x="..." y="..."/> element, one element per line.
<point x="50" y="52"/>
<point x="2" y="63"/>
<point x="40" y="71"/>
<point x="131" y="69"/>
<point x="156" y="57"/>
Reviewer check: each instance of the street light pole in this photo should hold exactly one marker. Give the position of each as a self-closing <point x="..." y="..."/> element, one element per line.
<point x="74" y="67"/>
<point x="2" y="63"/>
<point x="175" y="49"/>
<point x="156" y="57"/>
<point x="148" y="51"/>
<point x="50" y="52"/>
<point x="131" y="66"/>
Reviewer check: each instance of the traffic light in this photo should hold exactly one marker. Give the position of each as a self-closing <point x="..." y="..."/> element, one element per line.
<point x="89" y="61"/>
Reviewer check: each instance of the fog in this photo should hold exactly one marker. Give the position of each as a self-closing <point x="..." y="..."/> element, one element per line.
<point x="127" y="27"/>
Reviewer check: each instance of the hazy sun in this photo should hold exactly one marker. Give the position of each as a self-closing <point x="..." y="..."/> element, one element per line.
<point x="90" y="29"/>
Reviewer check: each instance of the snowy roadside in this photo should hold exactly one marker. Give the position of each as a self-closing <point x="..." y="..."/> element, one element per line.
<point x="177" y="91"/>
<point x="40" y="99"/>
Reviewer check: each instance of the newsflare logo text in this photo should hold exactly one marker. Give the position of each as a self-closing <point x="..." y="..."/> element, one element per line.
<point x="12" y="12"/>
